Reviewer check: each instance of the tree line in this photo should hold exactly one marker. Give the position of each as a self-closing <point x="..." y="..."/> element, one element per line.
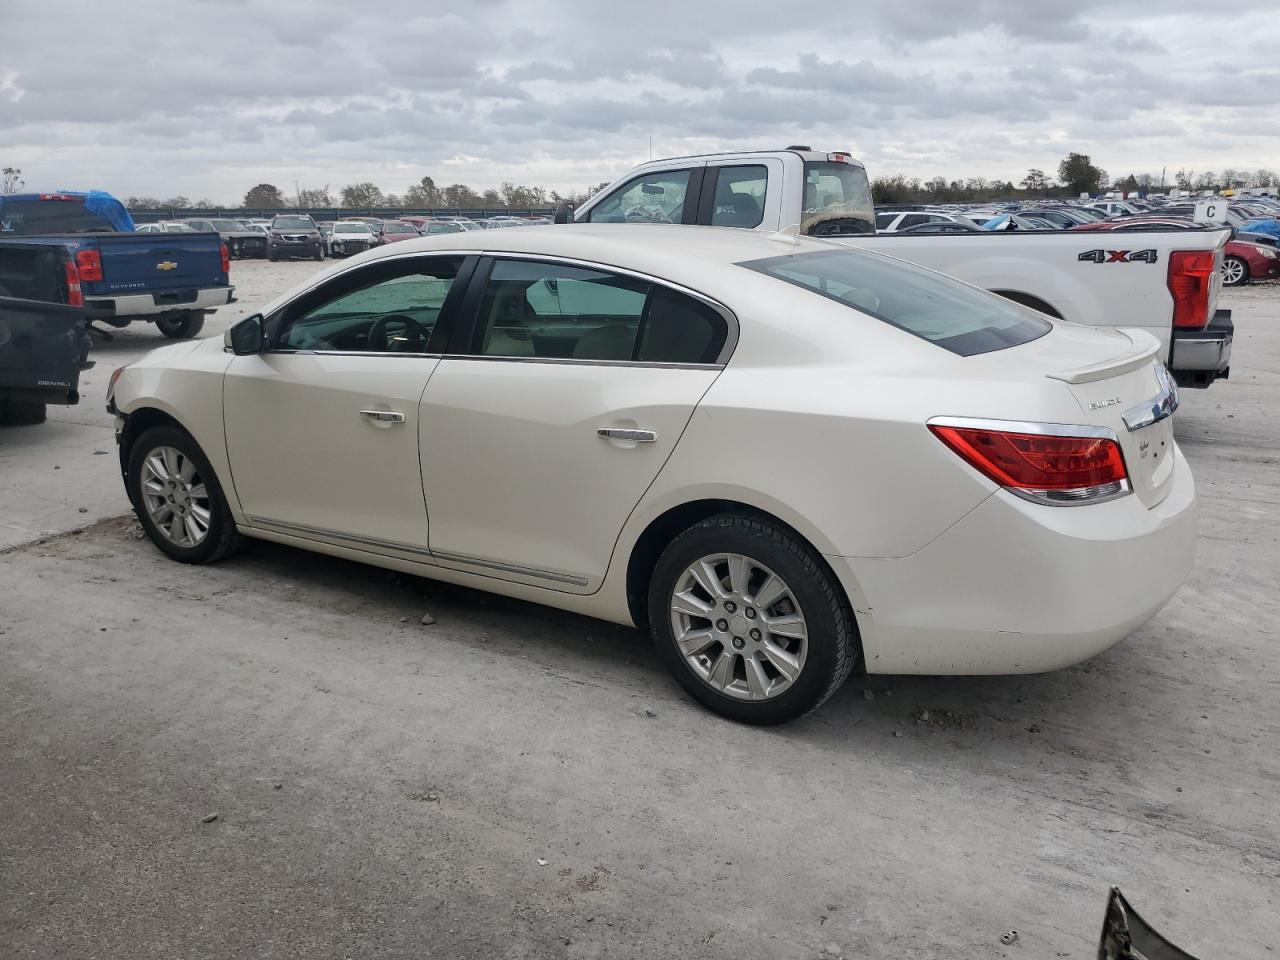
<point x="1077" y="174"/>
<point x="424" y="194"/>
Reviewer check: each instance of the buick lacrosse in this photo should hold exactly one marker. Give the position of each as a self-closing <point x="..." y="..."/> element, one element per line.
<point x="786" y="459"/>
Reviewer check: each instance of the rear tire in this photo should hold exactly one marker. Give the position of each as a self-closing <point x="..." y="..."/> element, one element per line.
<point x="179" y="478"/>
<point x="1235" y="272"/>
<point x="768" y="677"/>
<point x="183" y="327"/>
<point x="15" y="413"/>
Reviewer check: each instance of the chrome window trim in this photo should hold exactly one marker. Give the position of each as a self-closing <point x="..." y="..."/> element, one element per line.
<point x="582" y="362"/>
<point x="1159" y="407"/>
<point x="1025" y="426"/>
<point x="435" y="558"/>
<point x="730" y="318"/>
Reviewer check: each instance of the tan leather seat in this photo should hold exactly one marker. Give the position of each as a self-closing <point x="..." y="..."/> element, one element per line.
<point x="612" y="341"/>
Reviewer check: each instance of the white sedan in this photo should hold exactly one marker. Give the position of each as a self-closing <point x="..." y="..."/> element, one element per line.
<point x="789" y="460"/>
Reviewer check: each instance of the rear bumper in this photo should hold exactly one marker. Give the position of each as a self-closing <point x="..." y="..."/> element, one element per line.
<point x="1198" y="357"/>
<point x="1017" y="587"/>
<point x="160" y="303"/>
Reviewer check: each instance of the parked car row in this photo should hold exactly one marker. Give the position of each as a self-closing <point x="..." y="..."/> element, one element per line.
<point x="1250" y="255"/>
<point x="293" y="235"/>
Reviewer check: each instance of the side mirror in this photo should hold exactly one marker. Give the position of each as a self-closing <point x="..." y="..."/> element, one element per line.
<point x="564" y="212"/>
<point x="245" y="337"/>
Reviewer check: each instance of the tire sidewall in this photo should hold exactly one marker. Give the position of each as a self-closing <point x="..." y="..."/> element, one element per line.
<point x="809" y="584"/>
<point x="219" y="512"/>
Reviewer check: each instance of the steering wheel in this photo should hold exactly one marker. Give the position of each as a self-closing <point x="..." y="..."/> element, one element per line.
<point x="378" y="342"/>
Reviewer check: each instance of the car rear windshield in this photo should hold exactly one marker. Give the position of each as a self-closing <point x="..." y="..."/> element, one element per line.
<point x="837" y="199"/>
<point x="227" y="226"/>
<point x="35" y="217"/>
<point x="293" y="223"/>
<point x="930" y="306"/>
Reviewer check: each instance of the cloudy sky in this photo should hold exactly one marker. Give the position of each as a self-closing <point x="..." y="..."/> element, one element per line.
<point x="207" y="97"/>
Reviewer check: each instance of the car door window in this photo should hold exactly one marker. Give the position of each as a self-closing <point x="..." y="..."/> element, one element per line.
<point x="884" y="220"/>
<point x="913" y="219"/>
<point x="391" y="307"/>
<point x="653" y="198"/>
<point x="739" y="196"/>
<point x="553" y="311"/>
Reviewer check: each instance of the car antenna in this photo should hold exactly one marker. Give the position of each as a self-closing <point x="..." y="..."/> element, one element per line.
<point x="786" y="235"/>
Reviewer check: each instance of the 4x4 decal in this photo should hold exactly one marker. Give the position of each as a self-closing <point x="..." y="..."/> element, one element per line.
<point x="1120" y="256"/>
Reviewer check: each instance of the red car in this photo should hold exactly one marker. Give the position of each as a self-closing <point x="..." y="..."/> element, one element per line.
<point x="1241" y="261"/>
<point x="393" y="230"/>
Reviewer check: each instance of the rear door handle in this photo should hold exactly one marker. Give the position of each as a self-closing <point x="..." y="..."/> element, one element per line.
<point x="383" y="416"/>
<point x="635" y="436"/>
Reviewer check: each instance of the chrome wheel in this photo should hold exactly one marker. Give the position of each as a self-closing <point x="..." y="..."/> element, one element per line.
<point x="1232" y="271"/>
<point x="739" y="627"/>
<point x="175" y="497"/>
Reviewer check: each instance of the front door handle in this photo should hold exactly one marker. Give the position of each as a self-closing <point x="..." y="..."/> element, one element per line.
<point x="619" y="433"/>
<point x="383" y="416"/>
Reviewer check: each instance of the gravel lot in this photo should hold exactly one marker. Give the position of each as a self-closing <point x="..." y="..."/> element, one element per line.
<point x="516" y="782"/>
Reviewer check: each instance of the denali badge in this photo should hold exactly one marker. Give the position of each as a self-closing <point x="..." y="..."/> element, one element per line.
<point x="1099" y="404"/>
<point x="166" y="265"/>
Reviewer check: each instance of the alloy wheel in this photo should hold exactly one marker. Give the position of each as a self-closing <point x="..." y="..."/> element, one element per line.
<point x="739" y="627"/>
<point x="1232" y="272"/>
<point x="175" y="497"/>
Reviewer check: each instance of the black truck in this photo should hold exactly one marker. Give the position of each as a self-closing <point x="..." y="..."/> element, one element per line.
<point x="43" y="340"/>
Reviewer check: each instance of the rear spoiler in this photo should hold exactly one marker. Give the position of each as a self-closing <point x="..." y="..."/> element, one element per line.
<point x="1144" y="348"/>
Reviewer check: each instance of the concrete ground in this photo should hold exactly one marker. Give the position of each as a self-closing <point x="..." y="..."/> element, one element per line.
<point x="515" y="782"/>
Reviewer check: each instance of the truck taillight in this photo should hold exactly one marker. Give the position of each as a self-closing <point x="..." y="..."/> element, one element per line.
<point x="840" y="157"/>
<point x="1191" y="276"/>
<point x="75" y="297"/>
<point x="1048" y="468"/>
<point x="226" y="259"/>
<point x="89" y="263"/>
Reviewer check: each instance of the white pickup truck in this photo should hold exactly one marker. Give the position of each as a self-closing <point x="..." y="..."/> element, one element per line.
<point x="1162" y="281"/>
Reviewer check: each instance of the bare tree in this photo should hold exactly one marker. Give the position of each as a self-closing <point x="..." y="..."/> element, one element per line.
<point x="11" y="180"/>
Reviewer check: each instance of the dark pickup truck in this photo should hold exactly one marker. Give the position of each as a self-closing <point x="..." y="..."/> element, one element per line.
<point x="43" y="341"/>
<point x="169" y="279"/>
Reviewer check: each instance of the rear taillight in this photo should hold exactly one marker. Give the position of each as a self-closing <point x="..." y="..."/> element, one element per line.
<point x="89" y="263"/>
<point x="226" y="259"/>
<point x="75" y="296"/>
<point x="1191" y="275"/>
<point x="1058" y="466"/>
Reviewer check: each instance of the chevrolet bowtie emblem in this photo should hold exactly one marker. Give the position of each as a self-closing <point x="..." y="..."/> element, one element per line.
<point x="166" y="265"/>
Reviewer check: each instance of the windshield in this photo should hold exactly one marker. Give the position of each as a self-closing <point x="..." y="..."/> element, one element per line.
<point x="227" y="226"/>
<point x="837" y="199"/>
<point x="398" y="228"/>
<point x="952" y="315"/>
<point x="352" y="228"/>
<point x="293" y="223"/>
<point x="35" y="217"/>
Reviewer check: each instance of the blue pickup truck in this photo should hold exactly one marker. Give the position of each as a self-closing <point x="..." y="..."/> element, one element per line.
<point x="169" y="279"/>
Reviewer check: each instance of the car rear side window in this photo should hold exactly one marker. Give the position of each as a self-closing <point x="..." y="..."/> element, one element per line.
<point x="928" y="305"/>
<point x="541" y="310"/>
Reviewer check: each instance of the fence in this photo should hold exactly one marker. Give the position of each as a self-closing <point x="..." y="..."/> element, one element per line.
<point x="340" y="213"/>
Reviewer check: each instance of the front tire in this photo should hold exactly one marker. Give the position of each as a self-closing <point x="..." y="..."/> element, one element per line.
<point x="750" y="620"/>
<point x="182" y="327"/>
<point x="1235" y="272"/>
<point x="178" y="499"/>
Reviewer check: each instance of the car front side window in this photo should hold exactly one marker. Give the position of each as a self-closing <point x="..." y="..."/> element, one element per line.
<point x="653" y="198"/>
<point x="390" y="307"/>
